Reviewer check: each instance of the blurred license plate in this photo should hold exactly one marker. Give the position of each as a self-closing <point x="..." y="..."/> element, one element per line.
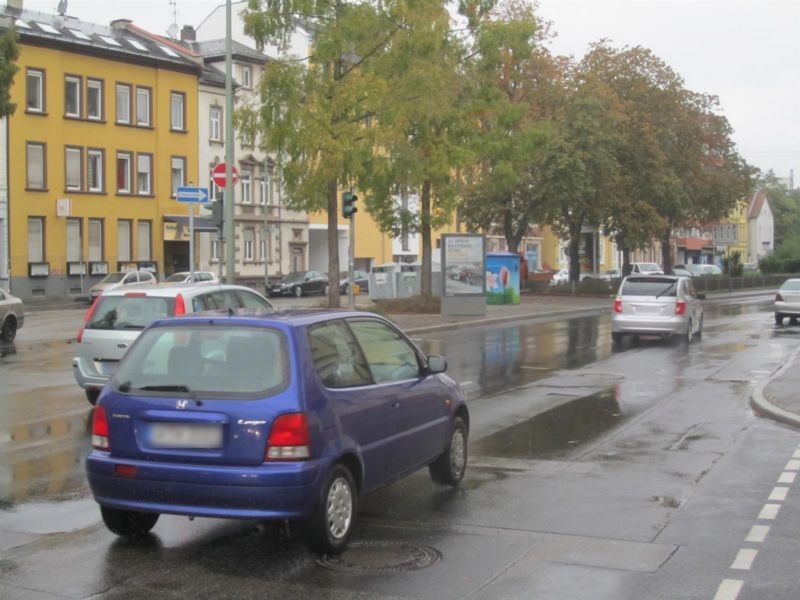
<point x="185" y="435"/>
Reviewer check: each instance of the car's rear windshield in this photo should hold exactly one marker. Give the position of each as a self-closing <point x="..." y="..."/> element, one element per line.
<point x="793" y="285"/>
<point x="222" y="361"/>
<point x="176" y="277"/>
<point x="131" y="311"/>
<point x="113" y="278"/>
<point x="649" y="267"/>
<point x="649" y="286"/>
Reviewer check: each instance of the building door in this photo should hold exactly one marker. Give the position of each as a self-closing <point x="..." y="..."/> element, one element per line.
<point x="298" y="259"/>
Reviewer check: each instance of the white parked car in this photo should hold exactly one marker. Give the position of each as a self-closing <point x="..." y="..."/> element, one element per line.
<point x="646" y="268"/>
<point x="12" y="316"/>
<point x="199" y="277"/>
<point x="787" y="302"/>
<point x="560" y="277"/>
<point x="122" y="280"/>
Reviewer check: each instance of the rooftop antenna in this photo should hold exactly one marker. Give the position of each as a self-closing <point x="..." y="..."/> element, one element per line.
<point x="62" y="8"/>
<point x="172" y="30"/>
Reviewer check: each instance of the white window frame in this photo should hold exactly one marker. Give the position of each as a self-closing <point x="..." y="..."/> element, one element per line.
<point x="37" y="74"/>
<point x="70" y="155"/>
<point x="95" y="240"/>
<point x="124" y="246"/>
<point x="127" y="158"/>
<point x="94" y="84"/>
<point x="214" y="249"/>
<point x="71" y="80"/>
<point x="31" y="167"/>
<point x="247" y="76"/>
<point x="140" y="171"/>
<point x="177" y="167"/>
<point x="249" y="243"/>
<point x="215" y="123"/>
<point x="144" y="239"/>
<point x="94" y="166"/>
<point x="35" y="239"/>
<point x="247" y="187"/>
<point x="74" y="240"/>
<point x="126" y="120"/>
<point x="143" y="91"/>
<point x="177" y="111"/>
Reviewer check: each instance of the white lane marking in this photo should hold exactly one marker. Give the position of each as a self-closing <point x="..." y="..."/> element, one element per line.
<point x="792" y="465"/>
<point x="729" y="589"/>
<point x="796" y="454"/>
<point x="744" y="560"/>
<point x="778" y="493"/>
<point x="769" y="512"/>
<point x="757" y="534"/>
<point x="786" y="477"/>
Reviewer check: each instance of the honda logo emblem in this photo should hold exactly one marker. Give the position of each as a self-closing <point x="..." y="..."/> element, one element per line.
<point x="181" y="404"/>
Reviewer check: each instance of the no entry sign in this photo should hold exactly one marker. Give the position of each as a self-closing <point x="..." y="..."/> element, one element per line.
<point x="218" y="175"/>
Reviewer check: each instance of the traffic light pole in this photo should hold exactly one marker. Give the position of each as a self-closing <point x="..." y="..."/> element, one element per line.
<point x="351" y="298"/>
<point x="229" y="225"/>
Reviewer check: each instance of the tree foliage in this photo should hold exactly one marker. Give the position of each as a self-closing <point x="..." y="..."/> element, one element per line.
<point x="9" y="52"/>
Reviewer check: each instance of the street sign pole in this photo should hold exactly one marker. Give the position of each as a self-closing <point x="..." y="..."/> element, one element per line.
<point x="351" y="298"/>
<point x="191" y="242"/>
<point x="192" y="195"/>
<point x="230" y="230"/>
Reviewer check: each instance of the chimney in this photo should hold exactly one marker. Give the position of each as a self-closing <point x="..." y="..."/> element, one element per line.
<point x="188" y="34"/>
<point x="120" y="24"/>
<point x="14" y="4"/>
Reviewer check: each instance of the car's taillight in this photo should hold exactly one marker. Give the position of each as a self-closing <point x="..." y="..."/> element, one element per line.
<point x="88" y="316"/>
<point x="100" y="429"/>
<point x="618" y="305"/>
<point x="680" y="307"/>
<point x="289" y="438"/>
<point x="778" y="297"/>
<point x="180" y="305"/>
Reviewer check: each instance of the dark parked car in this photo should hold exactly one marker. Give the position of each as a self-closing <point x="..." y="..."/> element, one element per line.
<point x="361" y="279"/>
<point x="289" y="415"/>
<point x="301" y="284"/>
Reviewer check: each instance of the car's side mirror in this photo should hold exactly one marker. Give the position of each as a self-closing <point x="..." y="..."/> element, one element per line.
<point x="700" y="296"/>
<point x="436" y="364"/>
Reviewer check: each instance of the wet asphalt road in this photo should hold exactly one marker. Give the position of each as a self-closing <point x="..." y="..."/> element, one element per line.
<point x="594" y="473"/>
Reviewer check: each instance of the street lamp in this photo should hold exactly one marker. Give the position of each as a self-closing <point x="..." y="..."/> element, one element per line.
<point x="266" y="197"/>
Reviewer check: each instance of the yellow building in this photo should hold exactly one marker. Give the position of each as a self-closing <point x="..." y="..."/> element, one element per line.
<point x="104" y="132"/>
<point x="738" y="216"/>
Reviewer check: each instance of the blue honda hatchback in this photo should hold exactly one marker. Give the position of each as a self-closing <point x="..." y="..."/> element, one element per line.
<point x="289" y="415"/>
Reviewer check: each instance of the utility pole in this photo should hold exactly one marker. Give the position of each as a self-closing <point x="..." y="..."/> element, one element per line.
<point x="229" y="225"/>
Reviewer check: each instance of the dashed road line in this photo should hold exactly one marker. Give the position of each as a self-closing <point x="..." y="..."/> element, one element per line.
<point x="787" y="477"/>
<point x="757" y="534"/>
<point x="744" y="560"/>
<point x="792" y="465"/>
<point x="729" y="589"/>
<point x="778" y="493"/>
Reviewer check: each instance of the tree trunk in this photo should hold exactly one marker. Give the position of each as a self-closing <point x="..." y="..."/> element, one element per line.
<point x="334" y="300"/>
<point x="426" y="286"/>
<point x="626" y="261"/>
<point x="513" y="238"/>
<point x="575" y="252"/>
<point x="666" y="250"/>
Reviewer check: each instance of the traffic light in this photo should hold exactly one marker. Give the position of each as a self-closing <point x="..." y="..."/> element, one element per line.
<point x="349" y="204"/>
<point x="217" y="216"/>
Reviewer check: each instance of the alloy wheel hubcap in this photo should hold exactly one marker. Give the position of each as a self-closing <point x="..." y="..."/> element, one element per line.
<point x="340" y="508"/>
<point x="457" y="452"/>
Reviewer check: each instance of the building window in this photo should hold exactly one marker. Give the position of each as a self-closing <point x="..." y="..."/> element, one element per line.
<point x="34" y="85"/>
<point x="144" y="174"/>
<point x="72" y="96"/>
<point x="297" y="234"/>
<point x="124" y="172"/>
<point x="95" y="170"/>
<point x="215" y="124"/>
<point x="144" y="241"/>
<point x="249" y="241"/>
<point x="177" y="106"/>
<point x="123" y="103"/>
<point x="247" y="76"/>
<point x="178" y="173"/>
<point x="215" y="250"/>
<point x="35" y="239"/>
<point x="74" y="240"/>
<point x="95" y="240"/>
<point x="143" y="106"/>
<point x="35" y="166"/>
<point x="94" y="100"/>
<point x="247" y="188"/>
<point x="73" y="169"/>
<point x="265" y="247"/>
<point x="124" y="240"/>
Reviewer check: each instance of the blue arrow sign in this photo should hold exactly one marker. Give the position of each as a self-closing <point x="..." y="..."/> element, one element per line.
<point x="192" y="194"/>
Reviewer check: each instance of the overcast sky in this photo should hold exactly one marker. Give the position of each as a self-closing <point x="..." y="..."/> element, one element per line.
<point x="744" y="51"/>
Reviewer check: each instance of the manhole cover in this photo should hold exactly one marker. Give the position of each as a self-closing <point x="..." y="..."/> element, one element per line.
<point x="381" y="557"/>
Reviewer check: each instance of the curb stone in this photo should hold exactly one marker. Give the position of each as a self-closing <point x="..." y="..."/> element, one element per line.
<point x="763" y="407"/>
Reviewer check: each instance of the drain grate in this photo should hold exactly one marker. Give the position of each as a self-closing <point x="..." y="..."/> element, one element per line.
<point x="375" y="557"/>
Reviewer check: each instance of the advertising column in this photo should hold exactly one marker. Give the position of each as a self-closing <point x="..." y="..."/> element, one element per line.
<point x="463" y="274"/>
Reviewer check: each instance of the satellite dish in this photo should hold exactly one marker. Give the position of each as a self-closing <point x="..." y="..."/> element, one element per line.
<point x="172" y="31"/>
<point x="62" y="7"/>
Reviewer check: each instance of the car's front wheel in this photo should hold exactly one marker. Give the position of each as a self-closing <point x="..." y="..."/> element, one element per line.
<point x="328" y="529"/>
<point x="326" y="290"/>
<point x="451" y="465"/>
<point x="128" y="523"/>
<point x="778" y="319"/>
<point x="9" y="330"/>
<point x="298" y="291"/>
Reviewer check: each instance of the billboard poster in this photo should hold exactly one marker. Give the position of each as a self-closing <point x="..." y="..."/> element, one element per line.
<point x="463" y="264"/>
<point x="502" y="278"/>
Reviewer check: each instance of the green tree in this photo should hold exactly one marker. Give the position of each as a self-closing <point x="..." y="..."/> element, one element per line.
<point x="9" y="53"/>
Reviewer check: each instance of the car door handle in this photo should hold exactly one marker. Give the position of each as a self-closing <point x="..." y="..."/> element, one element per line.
<point x="395" y="403"/>
<point x="122" y="345"/>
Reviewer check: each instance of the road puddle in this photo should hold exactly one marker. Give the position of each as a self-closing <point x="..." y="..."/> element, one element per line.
<point x="556" y="432"/>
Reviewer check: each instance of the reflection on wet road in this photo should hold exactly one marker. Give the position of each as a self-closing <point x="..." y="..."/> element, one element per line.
<point x="44" y="417"/>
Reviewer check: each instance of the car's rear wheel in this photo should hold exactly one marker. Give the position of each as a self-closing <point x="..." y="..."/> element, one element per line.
<point x="128" y="523"/>
<point x="326" y="290"/>
<point x="298" y="291"/>
<point x="792" y="320"/>
<point x="689" y="333"/>
<point x="700" y="328"/>
<point x="778" y="319"/>
<point x="617" y="337"/>
<point x="451" y="465"/>
<point x="92" y="394"/>
<point x="328" y="529"/>
<point x="9" y="330"/>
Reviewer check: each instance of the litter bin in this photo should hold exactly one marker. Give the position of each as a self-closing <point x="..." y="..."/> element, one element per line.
<point x="408" y="280"/>
<point x="382" y="282"/>
<point x="502" y="278"/>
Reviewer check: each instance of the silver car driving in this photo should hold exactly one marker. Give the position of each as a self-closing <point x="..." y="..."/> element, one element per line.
<point x="12" y="316"/>
<point x="120" y="280"/>
<point x="787" y="302"/>
<point x="662" y="305"/>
